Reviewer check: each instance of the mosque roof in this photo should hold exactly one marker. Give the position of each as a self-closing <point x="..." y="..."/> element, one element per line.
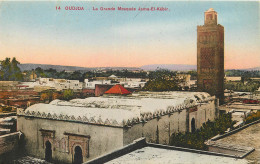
<point x="113" y="76"/>
<point x="117" y="110"/>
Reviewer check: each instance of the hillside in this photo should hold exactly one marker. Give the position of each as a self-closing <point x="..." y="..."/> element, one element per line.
<point x="29" y="66"/>
<point x="173" y="67"/>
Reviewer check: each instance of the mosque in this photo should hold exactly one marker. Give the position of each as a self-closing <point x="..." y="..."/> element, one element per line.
<point x="83" y="129"/>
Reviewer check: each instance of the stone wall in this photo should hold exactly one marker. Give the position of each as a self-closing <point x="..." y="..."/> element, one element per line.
<point x="205" y="112"/>
<point x="64" y="136"/>
<point x="159" y="130"/>
<point x="9" y="142"/>
<point x="9" y="146"/>
<point x="100" y="89"/>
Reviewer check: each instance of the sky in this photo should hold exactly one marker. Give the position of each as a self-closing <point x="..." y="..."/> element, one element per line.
<point x="35" y="32"/>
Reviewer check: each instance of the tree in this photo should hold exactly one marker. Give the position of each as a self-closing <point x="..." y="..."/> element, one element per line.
<point x="10" y="70"/>
<point x="162" y="80"/>
<point x="68" y="94"/>
<point x="16" y="73"/>
<point x="47" y="95"/>
<point x="195" y="140"/>
<point x="76" y="75"/>
<point x="5" y="69"/>
<point x="40" y="72"/>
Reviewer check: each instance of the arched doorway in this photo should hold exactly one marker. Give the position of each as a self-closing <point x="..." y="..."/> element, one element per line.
<point x="193" y="129"/>
<point x="48" y="151"/>
<point x="78" y="158"/>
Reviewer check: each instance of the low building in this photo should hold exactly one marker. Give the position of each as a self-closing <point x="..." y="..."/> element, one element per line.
<point x="90" y="84"/>
<point x="57" y="84"/>
<point x="63" y="131"/>
<point x="185" y="81"/>
<point x="233" y="79"/>
<point x="9" y="85"/>
<point x="132" y="82"/>
<point x="88" y="92"/>
<point x="255" y="78"/>
<point x="19" y="98"/>
<point x="100" y="89"/>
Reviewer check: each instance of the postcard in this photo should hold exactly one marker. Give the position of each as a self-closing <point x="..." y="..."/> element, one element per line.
<point x="95" y="81"/>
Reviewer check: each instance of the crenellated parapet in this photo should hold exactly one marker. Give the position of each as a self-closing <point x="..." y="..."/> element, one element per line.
<point x="117" y="112"/>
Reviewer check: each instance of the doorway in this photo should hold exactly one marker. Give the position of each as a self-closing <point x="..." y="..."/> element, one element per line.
<point x="48" y="151"/>
<point x="193" y="129"/>
<point x="78" y="158"/>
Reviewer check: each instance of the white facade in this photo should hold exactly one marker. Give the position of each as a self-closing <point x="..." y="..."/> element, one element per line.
<point x="58" y="84"/>
<point x="91" y="84"/>
<point x="126" y="82"/>
<point x="102" y="124"/>
<point x="238" y="78"/>
<point x="132" y="82"/>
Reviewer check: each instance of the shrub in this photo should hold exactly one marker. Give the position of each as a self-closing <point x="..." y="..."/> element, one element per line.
<point x="252" y="117"/>
<point x="208" y="130"/>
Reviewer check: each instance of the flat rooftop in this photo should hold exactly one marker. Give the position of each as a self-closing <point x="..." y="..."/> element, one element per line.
<point x="118" y="110"/>
<point x="239" y="106"/>
<point x="154" y="155"/>
<point x="249" y="136"/>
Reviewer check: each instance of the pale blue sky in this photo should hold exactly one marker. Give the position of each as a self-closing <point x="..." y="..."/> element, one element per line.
<point x="35" y="32"/>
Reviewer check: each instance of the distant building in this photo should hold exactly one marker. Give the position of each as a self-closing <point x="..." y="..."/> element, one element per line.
<point x="113" y="77"/>
<point x="210" y="55"/>
<point x="9" y="85"/>
<point x="19" y="98"/>
<point x="185" y="81"/>
<point x="132" y="82"/>
<point x="100" y="89"/>
<point x="57" y="84"/>
<point x="33" y="76"/>
<point x="233" y="79"/>
<point x="90" y="84"/>
<point x="255" y="78"/>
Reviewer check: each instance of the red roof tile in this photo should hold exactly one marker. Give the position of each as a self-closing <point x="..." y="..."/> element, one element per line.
<point x="118" y="89"/>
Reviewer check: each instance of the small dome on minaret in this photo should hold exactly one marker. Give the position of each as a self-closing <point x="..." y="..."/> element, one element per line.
<point x="210" y="9"/>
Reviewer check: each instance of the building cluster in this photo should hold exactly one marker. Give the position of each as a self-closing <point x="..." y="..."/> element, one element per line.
<point x="14" y="94"/>
<point x="23" y="94"/>
<point x="42" y="84"/>
<point x="62" y="84"/>
<point x="134" y="83"/>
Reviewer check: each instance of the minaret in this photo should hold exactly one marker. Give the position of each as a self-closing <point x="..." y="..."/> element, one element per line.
<point x="210" y="55"/>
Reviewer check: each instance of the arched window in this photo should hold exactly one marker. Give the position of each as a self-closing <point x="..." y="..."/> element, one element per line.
<point x="193" y="129"/>
<point x="78" y="158"/>
<point x="48" y="151"/>
<point x="209" y="16"/>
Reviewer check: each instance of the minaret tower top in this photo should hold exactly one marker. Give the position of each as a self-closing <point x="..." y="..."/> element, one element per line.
<point x="210" y="17"/>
